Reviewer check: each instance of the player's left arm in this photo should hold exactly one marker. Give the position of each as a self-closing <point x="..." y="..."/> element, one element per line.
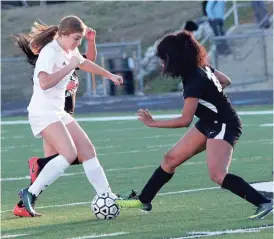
<point x="189" y="109"/>
<point x="91" y="53"/>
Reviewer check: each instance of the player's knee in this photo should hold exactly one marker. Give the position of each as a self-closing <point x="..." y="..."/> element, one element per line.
<point x="87" y="152"/>
<point x="170" y="160"/>
<point x="70" y="154"/>
<point x="217" y="176"/>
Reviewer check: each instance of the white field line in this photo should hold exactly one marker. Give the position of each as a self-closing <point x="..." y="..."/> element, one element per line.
<point x="159" y="194"/>
<point x="102" y="235"/>
<point x="266" y="125"/>
<point x="14" y="236"/>
<point x="190" y="163"/>
<point x="125" y="118"/>
<point x="150" y="147"/>
<point x="215" y="233"/>
<point x="79" y="173"/>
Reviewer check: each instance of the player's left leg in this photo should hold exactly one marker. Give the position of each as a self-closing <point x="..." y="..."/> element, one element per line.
<point x="193" y="142"/>
<point x="87" y="155"/>
<point x="219" y="155"/>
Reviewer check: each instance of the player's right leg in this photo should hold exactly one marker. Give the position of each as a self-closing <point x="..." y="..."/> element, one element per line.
<point x="193" y="142"/>
<point x="67" y="153"/>
<point x="35" y="166"/>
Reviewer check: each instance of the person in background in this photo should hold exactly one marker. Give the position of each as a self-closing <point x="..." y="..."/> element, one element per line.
<point x="215" y="11"/>
<point x="260" y="13"/>
<point x="191" y="26"/>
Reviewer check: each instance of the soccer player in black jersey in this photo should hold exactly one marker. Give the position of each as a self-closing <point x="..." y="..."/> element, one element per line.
<point x="37" y="164"/>
<point x="217" y="130"/>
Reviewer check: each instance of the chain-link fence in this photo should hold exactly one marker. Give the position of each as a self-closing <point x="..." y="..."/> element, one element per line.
<point x="246" y="58"/>
<point x="16" y="74"/>
<point x="129" y="52"/>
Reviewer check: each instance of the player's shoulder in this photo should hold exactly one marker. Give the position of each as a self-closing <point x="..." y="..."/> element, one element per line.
<point x="50" y="49"/>
<point x="197" y="76"/>
<point x="47" y="51"/>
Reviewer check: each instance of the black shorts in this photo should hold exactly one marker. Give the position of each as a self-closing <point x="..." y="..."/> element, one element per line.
<point x="229" y="133"/>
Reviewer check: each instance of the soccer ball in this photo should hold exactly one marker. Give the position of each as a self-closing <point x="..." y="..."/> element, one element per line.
<point x="104" y="206"/>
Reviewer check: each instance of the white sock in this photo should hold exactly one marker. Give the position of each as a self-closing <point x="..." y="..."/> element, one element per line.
<point x="96" y="175"/>
<point x="53" y="170"/>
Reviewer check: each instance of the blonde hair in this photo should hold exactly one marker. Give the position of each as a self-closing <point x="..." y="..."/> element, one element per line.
<point x="41" y="34"/>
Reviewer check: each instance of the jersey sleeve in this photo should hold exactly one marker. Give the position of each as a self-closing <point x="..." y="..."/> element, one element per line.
<point x="194" y="88"/>
<point x="84" y="56"/>
<point x="77" y="53"/>
<point x="45" y="62"/>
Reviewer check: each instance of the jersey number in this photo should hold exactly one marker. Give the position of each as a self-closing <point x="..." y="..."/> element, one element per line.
<point x="214" y="79"/>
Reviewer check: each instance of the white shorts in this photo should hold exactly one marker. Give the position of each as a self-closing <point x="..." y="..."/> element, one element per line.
<point x="39" y="122"/>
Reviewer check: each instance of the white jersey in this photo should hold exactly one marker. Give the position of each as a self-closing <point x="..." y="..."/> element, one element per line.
<point x="51" y="101"/>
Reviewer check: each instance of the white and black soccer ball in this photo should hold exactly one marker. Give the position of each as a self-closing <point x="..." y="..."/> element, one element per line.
<point x="104" y="207"/>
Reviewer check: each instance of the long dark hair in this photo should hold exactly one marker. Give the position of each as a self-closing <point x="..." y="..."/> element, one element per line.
<point x="23" y="42"/>
<point x="181" y="54"/>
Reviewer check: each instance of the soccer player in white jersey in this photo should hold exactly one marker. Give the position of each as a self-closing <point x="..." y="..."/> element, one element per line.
<point x="36" y="164"/>
<point x="58" y="58"/>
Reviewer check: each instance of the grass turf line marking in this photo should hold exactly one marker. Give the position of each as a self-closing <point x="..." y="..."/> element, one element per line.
<point x="159" y="194"/>
<point x="266" y="125"/>
<point x="27" y="177"/>
<point x="101" y="235"/>
<point x="14" y="236"/>
<point x="215" y="233"/>
<point x="118" y="118"/>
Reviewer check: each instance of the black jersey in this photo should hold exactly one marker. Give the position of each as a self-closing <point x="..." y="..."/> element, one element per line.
<point x="71" y="94"/>
<point x="214" y="106"/>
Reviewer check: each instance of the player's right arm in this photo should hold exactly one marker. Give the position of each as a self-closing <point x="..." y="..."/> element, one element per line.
<point x="48" y="77"/>
<point x="222" y="78"/>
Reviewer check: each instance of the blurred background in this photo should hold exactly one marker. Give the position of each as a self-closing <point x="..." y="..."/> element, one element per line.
<point x="127" y="35"/>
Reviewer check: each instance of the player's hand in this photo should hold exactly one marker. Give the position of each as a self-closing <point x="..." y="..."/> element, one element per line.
<point x="90" y="34"/>
<point x="116" y="79"/>
<point x="145" y="117"/>
<point x="72" y="86"/>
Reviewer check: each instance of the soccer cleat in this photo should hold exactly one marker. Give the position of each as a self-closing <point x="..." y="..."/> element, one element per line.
<point x="33" y="168"/>
<point x="20" y="211"/>
<point x="132" y="201"/>
<point x="28" y="201"/>
<point x="263" y="210"/>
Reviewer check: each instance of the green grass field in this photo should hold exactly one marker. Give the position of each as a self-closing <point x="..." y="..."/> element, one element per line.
<point x="130" y="152"/>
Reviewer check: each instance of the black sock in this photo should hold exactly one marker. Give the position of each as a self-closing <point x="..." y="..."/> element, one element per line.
<point x="43" y="161"/>
<point x="20" y="204"/>
<point x="75" y="162"/>
<point x="154" y="184"/>
<point x="241" y="188"/>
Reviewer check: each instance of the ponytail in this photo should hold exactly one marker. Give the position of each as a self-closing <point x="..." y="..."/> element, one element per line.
<point x="22" y="42"/>
<point x="32" y="43"/>
<point x="41" y="35"/>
